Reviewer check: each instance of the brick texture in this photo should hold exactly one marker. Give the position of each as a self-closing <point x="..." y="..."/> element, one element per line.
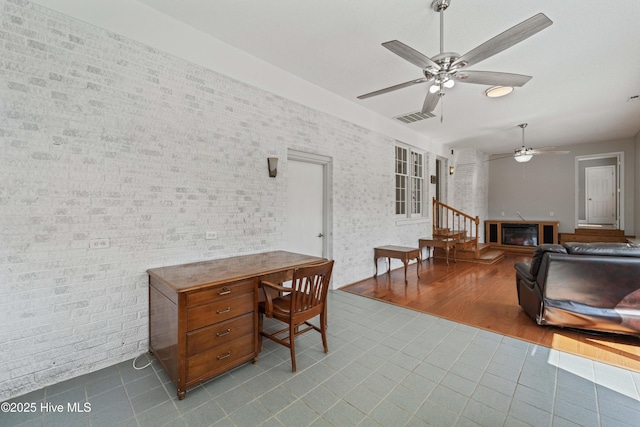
<point x="470" y="185"/>
<point x="104" y="139"/>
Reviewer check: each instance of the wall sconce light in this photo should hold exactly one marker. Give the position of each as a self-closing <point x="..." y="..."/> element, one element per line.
<point x="273" y="166"/>
<point x="451" y="169"/>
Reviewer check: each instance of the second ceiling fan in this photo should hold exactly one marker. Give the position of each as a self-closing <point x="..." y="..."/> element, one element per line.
<point x="524" y="154"/>
<point x="444" y="69"/>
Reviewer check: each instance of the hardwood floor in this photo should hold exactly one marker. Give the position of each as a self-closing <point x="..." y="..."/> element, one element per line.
<point x="485" y="296"/>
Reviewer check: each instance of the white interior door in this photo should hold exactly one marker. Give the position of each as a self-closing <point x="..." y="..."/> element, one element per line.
<point x="600" y="195"/>
<point x="305" y="194"/>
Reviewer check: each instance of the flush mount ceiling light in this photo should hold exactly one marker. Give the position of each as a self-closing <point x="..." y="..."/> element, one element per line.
<point x="498" y="91"/>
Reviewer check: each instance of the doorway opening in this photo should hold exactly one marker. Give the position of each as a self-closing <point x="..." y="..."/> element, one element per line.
<point x="599" y="186"/>
<point x="309" y="226"/>
<point x="442" y="170"/>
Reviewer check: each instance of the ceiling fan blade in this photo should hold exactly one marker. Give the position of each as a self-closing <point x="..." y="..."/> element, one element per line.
<point x="392" y="88"/>
<point x="410" y="54"/>
<point x="430" y="102"/>
<point x="547" y="150"/>
<point x="537" y="152"/>
<point x="544" y="148"/>
<point x="505" y="40"/>
<point x="491" y="78"/>
<point x="501" y="156"/>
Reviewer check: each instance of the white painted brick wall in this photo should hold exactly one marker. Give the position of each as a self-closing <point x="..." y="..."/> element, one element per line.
<point x="471" y="190"/>
<point x="102" y="137"/>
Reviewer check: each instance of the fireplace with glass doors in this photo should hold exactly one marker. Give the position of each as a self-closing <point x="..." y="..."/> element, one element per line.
<point x="520" y="236"/>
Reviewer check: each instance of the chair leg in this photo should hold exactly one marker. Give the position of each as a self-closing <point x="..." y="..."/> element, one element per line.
<point x="292" y="347"/>
<point x="324" y="316"/>
<point x="323" y="330"/>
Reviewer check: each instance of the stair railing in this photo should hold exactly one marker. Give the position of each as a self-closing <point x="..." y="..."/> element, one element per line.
<point x="448" y="221"/>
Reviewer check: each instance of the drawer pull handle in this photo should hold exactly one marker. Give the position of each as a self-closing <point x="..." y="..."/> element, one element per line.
<point x="224" y="291"/>
<point x="227" y="332"/>
<point x="224" y="356"/>
<point x="224" y="311"/>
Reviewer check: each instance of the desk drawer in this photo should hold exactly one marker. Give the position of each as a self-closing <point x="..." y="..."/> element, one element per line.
<point x="221" y="333"/>
<point x="220" y="292"/>
<point x="208" y="314"/>
<point x="221" y="358"/>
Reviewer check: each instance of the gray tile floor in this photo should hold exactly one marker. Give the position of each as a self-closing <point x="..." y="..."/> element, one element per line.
<point x="387" y="366"/>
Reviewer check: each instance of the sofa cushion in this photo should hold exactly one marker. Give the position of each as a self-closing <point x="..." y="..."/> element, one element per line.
<point x="540" y="250"/>
<point x="603" y="249"/>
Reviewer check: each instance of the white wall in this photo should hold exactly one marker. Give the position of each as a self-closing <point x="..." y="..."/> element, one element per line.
<point x="103" y="137"/>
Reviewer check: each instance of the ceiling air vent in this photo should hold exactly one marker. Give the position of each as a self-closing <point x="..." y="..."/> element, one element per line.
<point x="633" y="98"/>
<point x="414" y="117"/>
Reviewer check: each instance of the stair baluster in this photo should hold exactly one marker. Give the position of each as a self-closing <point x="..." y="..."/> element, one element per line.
<point x="465" y="227"/>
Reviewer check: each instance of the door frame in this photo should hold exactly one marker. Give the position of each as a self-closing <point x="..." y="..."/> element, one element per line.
<point x="442" y="179"/>
<point x="327" y="165"/>
<point x="619" y="183"/>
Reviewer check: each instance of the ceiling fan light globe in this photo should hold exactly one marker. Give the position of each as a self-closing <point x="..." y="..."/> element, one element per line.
<point x="434" y="88"/>
<point x="449" y="84"/>
<point x="522" y="158"/>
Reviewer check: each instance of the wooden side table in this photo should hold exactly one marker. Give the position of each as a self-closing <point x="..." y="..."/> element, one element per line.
<point x="403" y="253"/>
<point x="445" y="243"/>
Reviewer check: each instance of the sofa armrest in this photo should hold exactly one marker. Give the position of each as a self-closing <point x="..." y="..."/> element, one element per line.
<point x="523" y="269"/>
<point x="529" y="295"/>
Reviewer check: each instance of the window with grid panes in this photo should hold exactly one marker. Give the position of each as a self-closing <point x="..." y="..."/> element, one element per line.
<point x="417" y="179"/>
<point x="409" y="182"/>
<point x="402" y="180"/>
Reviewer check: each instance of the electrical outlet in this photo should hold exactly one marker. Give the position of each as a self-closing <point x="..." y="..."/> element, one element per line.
<point x="99" y="244"/>
<point x="501" y="213"/>
<point x="550" y="213"/>
<point x="211" y="235"/>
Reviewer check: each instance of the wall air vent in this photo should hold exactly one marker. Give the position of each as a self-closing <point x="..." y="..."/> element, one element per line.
<point x="414" y="117"/>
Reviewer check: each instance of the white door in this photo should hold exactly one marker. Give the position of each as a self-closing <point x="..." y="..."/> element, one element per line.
<point x="305" y="208"/>
<point x="600" y="194"/>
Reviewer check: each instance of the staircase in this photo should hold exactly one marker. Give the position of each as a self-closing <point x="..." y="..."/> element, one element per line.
<point x="450" y="223"/>
<point x="587" y="234"/>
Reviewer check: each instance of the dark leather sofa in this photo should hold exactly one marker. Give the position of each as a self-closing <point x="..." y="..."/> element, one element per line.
<point x="591" y="286"/>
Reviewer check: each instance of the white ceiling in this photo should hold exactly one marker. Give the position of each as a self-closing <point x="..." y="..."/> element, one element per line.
<point x="584" y="67"/>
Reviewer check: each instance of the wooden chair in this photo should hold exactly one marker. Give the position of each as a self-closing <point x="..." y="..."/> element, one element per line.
<point x="304" y="300"/>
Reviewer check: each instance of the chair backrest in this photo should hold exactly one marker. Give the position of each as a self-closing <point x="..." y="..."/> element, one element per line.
<point x="310" y="286"/>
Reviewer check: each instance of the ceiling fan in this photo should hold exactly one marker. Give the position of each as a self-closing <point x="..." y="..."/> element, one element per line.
<point x="444" y="69"/>
<point x="523" y="154"/>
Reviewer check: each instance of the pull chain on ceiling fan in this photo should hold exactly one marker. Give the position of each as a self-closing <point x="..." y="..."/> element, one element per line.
<point x="446" y="68"/>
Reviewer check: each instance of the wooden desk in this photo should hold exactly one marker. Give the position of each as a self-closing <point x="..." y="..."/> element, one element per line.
<point x="445" y="243"/>
<point x="403" y="253"/>
<point x="203" y="316"/>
